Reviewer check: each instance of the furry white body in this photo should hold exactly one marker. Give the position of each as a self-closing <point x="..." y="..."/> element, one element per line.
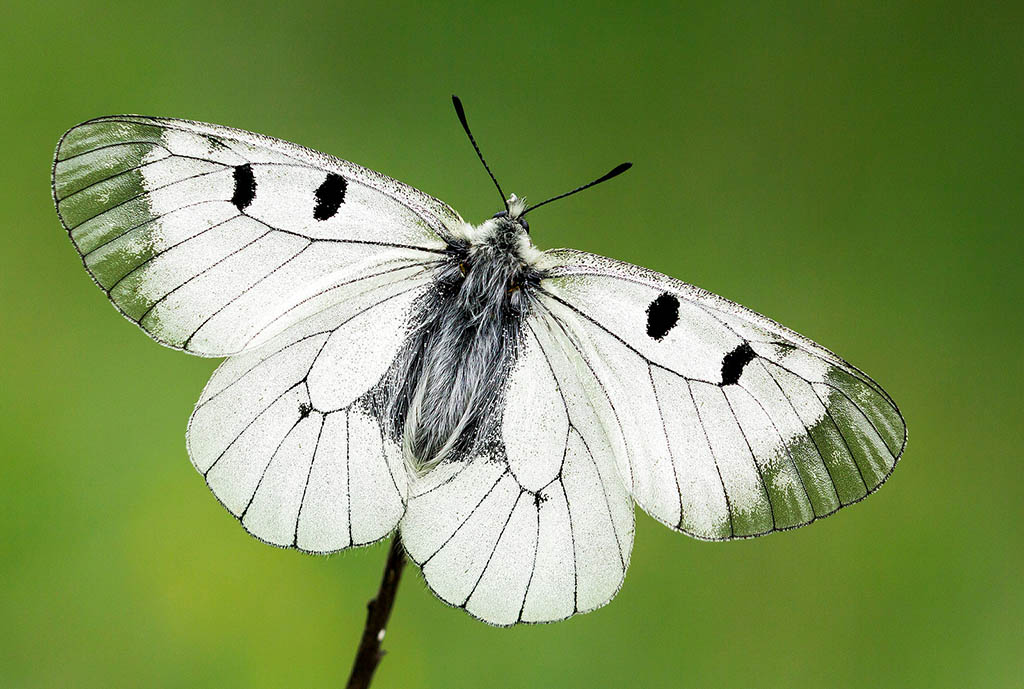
<point x="467" y="341"/>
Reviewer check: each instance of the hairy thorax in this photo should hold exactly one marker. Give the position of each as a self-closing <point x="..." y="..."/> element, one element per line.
<point x="460" y="352"/>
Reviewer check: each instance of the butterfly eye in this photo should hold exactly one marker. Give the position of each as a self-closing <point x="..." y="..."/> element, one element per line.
<point x="500" y="214"/>
<point x="526" y="225"/>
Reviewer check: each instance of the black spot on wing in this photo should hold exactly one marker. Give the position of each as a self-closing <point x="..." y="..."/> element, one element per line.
<point x="304" y="409"/>
<point x="329" y="196"/>
<point x="734" y="362"/>
<point x="245" y="187"/>
<point x="662" y="315"/>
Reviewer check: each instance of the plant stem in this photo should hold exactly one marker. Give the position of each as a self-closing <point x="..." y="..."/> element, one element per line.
<point x="378" y="610"/>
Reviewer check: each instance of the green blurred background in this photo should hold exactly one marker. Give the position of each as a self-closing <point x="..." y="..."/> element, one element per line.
<point x="853" y="170"/>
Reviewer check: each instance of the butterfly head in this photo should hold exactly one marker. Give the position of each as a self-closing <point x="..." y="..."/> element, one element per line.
<point x="502" y="240"/>
<point x="514" y="214"/>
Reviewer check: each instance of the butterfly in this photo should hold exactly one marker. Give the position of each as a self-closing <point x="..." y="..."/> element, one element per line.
<point x="392" y="367"/>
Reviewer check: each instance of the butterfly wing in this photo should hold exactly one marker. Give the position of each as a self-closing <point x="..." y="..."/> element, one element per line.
<point x="538" y="525"/>
<point x="307" y="268"/>
<point x="290" y="436"/>
<point x="724" y="423"/>
<point x="205" y="235"/>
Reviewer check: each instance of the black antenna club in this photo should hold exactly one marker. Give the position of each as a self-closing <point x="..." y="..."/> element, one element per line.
<point x="618" y="170"/>
<point x="461" y="112"/>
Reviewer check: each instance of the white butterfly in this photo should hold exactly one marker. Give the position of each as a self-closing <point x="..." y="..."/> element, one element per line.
<point x="394" y="367"/>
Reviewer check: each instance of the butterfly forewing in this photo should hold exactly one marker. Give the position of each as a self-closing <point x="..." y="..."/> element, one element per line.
<point x="731" y="424"/>
<point x="205" y="235"/>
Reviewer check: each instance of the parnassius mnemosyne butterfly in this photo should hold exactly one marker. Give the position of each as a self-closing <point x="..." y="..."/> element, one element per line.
<point x="393" y="367"/>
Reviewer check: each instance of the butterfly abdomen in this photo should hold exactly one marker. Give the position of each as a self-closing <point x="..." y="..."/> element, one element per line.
<point x="459" y="355"/>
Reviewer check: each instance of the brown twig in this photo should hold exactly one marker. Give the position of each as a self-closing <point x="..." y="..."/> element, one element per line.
<point x="378" y="610"/>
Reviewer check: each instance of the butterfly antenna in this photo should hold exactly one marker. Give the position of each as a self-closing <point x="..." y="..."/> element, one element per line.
<point x="618" y="170"/>
<point x="461" y="112"/>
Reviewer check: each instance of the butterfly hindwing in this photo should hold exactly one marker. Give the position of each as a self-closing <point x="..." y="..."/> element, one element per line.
<point x="539" y="528"/>
<point x="725" y="424"/>
<point x="290" y="436"/>
<point x="203" y="235"/>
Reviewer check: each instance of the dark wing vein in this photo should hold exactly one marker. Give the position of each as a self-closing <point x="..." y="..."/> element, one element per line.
<point x="494" y="549"/>
<point x="753" y="458"/>
<point x="668" y="444"/>
<point x="714" y="458"/>
<point x="245" y="291"/>
<point x="600" y="384"/>
<point x="465" y="521"/>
